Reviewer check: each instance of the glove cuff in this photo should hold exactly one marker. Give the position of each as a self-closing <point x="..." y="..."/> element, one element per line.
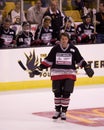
<point x="87" y="66"/>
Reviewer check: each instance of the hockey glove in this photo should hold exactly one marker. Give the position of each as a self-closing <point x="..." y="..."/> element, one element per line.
<point x="85" y="36"/>
<point x="34" y="72"/>
<point x="39" y="68"/>
<point x="89" y="71"/>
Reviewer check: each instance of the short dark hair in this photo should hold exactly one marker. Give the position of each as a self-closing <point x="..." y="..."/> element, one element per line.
<point x="64" y="34"/>
<point x="7" y="20"/>
<point x="25" y="23"/>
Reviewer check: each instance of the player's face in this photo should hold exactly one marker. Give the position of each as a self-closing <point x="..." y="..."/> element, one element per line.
<point x="64" y="41"/>
<point x="47" y="23"/>
<point x="88" y="20"/>
<point x="6" y="25"/>
<point x="26" y="28"/>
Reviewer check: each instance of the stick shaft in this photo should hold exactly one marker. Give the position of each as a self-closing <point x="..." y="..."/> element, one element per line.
<point x="22" y="65"/>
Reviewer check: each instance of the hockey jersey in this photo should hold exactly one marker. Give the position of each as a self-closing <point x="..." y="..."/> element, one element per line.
<point x="86" y="29"/>
<point x="71" y="31"/>
<point x="44" y="34"/>
<point x="63" y="62"/>
<point x="8" y="36"/>
<point x="24" y="39"/>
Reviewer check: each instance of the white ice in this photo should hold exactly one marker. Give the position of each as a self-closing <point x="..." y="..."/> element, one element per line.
<point x="16" y="108"/>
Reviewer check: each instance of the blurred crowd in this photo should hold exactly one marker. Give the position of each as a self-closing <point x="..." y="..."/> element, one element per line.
<point x="51" y="22"/>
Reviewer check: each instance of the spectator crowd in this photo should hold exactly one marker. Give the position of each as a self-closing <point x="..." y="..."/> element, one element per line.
<point x="51" y="22"/>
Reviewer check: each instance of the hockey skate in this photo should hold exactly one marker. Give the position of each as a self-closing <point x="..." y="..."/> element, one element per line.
<point x="56" y="115"/>
<point x="63" y="116"/>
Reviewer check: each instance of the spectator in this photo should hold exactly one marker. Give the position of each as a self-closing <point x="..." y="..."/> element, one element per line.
<point x="14" y="14"/>
<point x="70" y="29"/>
<point x="100" y="24"/>
<point x="2" y="5"/>
<point x="65" y="5"/>
<point x="82" y="6"/>
<point x="35" y="13"/>
<point x="45" y="3"/>
<point x="78" y="5"/>
<point x="57" y="17"/>
<point x="25" y="37"/>
<point x="7" y="35"/>
<point x="90" y="3"/>
<point x="85" y="31"/>
<point x="44" y="33"/>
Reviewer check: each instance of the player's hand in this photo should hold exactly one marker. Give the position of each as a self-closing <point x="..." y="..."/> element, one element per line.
<point x="89" y="71"/>
<point x="34" y="72"/>
<point x="84" y="36"/>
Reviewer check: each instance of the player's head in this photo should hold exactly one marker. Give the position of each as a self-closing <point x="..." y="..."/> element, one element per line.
<point x="46" y="21"/>
<point x="26" y="26"/>
<point x="64" y="39"/>
<point x="6" y="23"/>
<point x="86" y="18"/>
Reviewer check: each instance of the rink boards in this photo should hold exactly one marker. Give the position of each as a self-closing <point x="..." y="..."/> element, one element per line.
<point x="13" y="77"/>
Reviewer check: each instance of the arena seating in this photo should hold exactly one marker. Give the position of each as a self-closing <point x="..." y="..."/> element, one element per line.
<point x="74" y="14"/>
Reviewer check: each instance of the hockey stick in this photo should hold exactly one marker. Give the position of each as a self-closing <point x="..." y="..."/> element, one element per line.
<point x="22" y="66"/>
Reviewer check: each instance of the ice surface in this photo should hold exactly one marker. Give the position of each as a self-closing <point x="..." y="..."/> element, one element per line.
<point x="16" y="108"/>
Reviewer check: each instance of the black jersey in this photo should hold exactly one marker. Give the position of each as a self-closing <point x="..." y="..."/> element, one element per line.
<point x="71" y="31"/>
<point x="85" y="33"/>
<point x="44" y="34"/>
<point x="56" y="21"/>
<point x="8" y="36"/>
<point x="87" y="29"/>
<point x="63" y="62"/>
<point x="24" y="39"/>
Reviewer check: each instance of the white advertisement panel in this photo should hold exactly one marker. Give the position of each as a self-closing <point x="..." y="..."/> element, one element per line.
<point x="11" y="71"/>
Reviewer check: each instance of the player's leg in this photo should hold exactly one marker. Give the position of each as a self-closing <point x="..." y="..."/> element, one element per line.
<point x="67" y="90"/>
<point x="57" y="89"/>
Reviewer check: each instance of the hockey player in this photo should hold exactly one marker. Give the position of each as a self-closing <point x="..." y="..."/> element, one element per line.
<point x="62" y="59"/>
<point x="85" y="30"/>
<point x="25" y="37"/>
<point x="70" y="29"/>
<point x="7" y="35"/>
<point x="44" y="33"/>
